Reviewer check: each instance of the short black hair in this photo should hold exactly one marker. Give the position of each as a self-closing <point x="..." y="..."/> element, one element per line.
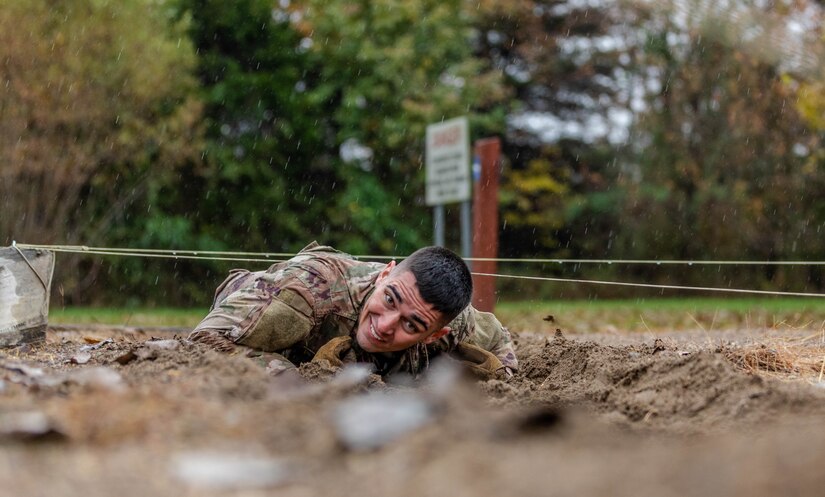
<point x="443" y="279"/>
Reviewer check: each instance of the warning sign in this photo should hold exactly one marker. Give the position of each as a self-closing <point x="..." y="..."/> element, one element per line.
<point x="448" y="162"/>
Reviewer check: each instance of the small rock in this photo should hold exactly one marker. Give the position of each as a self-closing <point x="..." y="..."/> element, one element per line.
<point x="99" y="377"/>
<point x="371" y="421"/>
<point x="352" y="375"/>
<point x="80" y="358"/>
<point x="162" y="344"/>
<point x="658" y="345"/>
<point x="23" y="348"/>
<point x="221" y="471"/>
<point x="26" y="425"/>
<point x="126" y="358"/>
<point x="443" y="376"/>
<point x="96" y="346"/>
<point x="25" y="369"/>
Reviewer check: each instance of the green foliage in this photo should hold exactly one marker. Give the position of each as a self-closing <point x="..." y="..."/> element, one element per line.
<point x="532" y="202"/>
<point x="280" y="105"/>
<point x="260" y="125"/>
<point x="96" y="104"/>
<point x="367" y="214"/>
<point x="389" y="68"/>
<point x="719" y="168"/>
<point x="261" y="130"/>
<point x="286" y="88"/>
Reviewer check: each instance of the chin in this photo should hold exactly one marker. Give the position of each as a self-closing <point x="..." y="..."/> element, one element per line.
<point x="363" y="342"/>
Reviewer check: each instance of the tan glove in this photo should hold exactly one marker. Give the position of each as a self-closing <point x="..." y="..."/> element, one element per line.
<point x="485" y="365"/>
<point x="333" y="351"/>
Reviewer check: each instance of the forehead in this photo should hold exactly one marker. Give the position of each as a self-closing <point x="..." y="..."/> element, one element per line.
<point x="404" y="282"/>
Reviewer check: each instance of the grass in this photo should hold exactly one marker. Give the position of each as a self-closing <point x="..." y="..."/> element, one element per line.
<point x="579" y="316"/>
<point x="793" y="350"/>
<point x="158" y="316"/>
<point x="798" y="355"/>
<point x="659" y="314"/>
<point x="693" y="303"/>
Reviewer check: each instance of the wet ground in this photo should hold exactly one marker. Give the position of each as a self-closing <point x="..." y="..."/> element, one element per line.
<point x="129" y="412"/>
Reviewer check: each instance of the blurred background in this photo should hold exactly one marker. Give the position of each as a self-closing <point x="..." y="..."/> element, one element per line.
<point x="686" y="129"/>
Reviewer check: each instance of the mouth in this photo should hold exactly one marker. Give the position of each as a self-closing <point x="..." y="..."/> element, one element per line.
<point x="374" y="334"/>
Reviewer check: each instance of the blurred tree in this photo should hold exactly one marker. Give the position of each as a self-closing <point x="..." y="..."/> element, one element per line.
<point x="265" y="155"/>
<point x="94" y="107"/>
<point x="324" y="139"/>
<point x="717" y="169"/>
<point x="387" y="69"/>
<point x="719" y="163"/>
<point x="565" y="63"/>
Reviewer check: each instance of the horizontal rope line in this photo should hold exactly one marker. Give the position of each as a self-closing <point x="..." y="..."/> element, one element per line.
<point x="162" y="256"/>
<point x="179" y="253"/>
<point x="83" y="249"/>
<point x="185" y="254"/>
<point x="650" y="285"/>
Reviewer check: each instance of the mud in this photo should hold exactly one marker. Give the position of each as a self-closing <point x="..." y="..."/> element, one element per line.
<point x="107" y="412"/>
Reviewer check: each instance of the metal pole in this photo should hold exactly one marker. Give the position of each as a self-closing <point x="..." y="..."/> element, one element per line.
<point x="466" y="231"/>
<point x="438" y="225"/>
<point x="485" y="217"/>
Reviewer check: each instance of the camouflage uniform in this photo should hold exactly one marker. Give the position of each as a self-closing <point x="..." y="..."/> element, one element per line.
<point x="297" y="306"/>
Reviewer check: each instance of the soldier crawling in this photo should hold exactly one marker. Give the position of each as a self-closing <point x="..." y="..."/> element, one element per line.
<point x="324" y="305"/>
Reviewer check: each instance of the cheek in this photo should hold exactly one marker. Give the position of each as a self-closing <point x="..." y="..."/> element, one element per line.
<point x="371" y="305"/>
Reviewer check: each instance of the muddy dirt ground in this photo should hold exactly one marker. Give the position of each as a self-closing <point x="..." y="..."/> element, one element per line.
<point x="102" y="412"/>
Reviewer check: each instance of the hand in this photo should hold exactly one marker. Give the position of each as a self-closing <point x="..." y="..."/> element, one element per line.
<point x="333" y="351"/>
<point x="485" y="365"/>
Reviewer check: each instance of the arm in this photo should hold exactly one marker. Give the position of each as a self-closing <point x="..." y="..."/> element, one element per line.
<point x="489" y="334"/>
<point x="271" y="312"/>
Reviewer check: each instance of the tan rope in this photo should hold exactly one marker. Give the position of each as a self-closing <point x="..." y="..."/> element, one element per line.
<point x="238" y="257"/>
<point x="263" y="257"/>
<point x="42" y="281"/>
<point x="651" y="285"/>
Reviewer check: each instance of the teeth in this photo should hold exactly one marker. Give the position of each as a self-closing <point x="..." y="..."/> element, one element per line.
<point x="374" y="333"/>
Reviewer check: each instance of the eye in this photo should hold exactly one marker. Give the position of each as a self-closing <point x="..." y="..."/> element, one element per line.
<point x="388" y="299"/>
<point x="409" y="326"/>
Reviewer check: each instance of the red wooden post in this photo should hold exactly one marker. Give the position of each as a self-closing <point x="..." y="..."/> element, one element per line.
<point x="485" y="222"/>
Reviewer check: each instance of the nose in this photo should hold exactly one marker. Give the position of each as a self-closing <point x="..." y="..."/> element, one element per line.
<point x="386" y="323"/>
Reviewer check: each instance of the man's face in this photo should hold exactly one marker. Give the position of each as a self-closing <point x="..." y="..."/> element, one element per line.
<point x="395" y="317"/>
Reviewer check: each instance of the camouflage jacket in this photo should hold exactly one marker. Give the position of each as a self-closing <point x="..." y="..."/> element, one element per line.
<point x="295" y="307"/>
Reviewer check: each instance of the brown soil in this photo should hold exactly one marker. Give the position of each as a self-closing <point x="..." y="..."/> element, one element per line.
<point x="114" y="412"/>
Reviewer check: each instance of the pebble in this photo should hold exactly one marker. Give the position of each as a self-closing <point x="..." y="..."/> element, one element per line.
<point x="373" y="420"/>
<point x="99" y="377"/>
<point x="26" y="425"/>
<point x="229" y="471"/>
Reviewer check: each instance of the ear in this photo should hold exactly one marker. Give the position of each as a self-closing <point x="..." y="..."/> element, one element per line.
<point x="386" y="271"/>
<point x="436" y="335"/>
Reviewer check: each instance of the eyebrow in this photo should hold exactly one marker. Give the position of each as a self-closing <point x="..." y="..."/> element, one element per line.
<point x="414" y="317"/>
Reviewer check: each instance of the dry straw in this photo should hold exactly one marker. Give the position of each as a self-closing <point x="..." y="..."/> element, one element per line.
<point x="782" y="358"/>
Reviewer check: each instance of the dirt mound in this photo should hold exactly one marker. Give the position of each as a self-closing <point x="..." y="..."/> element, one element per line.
<point x="651" y="383"/>
<point x="128" y="416"/>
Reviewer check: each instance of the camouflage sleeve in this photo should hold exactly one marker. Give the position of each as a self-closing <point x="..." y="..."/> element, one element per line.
<point x="489" y="334"/>
<point x="270" y="312"/>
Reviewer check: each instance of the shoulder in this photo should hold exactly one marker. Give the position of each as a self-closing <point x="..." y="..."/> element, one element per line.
<point x="336" y="281"/>
<point x="333" y="265"/>
<point x="477" y="327"/>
